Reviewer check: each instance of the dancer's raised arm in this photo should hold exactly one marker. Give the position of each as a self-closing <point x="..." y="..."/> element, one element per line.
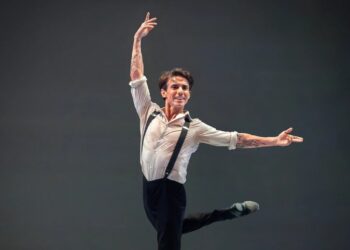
<point x="136" y="67"/>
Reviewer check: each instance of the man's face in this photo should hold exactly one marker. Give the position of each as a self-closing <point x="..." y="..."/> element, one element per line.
<point x="177" y="93"/>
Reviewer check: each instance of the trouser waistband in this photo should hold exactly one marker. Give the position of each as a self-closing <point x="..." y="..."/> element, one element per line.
<point x="161" y="180"/>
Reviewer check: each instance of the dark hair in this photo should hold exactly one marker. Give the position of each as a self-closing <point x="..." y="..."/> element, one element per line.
<point x="164" y="77"/>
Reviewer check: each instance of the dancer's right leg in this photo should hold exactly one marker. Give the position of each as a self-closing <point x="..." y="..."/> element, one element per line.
<point x="165" y="203"/>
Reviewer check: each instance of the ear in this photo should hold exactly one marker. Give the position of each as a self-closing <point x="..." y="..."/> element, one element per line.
<point x="163" y="93"/>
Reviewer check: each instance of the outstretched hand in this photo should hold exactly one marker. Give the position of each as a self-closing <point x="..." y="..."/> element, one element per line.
<point x="146" y="27"/>
<point x="285" y="138"/>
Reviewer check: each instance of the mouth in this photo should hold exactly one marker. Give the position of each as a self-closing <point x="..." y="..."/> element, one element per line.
<point x="180" y="98"/>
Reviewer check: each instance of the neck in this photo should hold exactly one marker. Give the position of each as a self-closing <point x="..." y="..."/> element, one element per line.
<point x="171" y="112"/>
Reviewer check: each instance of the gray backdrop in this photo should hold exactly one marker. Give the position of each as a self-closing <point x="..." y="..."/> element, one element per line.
<point x="70" y="175"/>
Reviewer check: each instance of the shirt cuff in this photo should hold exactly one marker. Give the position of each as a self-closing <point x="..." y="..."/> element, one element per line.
<point x="233" y="140"/>
<point x="137" y="82"/>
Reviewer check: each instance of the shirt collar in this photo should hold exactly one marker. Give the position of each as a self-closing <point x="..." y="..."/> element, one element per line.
<point x="178" y="116"/>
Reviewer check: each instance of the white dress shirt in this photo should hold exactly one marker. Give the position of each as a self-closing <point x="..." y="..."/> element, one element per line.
<point x="162" y="135"/>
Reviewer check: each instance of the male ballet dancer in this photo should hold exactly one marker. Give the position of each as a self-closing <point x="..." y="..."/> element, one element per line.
<point x="168" y="138"/>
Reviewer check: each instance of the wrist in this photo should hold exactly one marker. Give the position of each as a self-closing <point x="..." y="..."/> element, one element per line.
<point x="137" y="38"/>
<point x="274" y="141"/>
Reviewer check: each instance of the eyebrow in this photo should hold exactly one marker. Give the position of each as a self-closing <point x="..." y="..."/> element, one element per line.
<point x="174" y="82"/>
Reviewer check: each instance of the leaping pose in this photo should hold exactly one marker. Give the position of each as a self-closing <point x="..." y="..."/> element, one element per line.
<point x="169" y="136"/>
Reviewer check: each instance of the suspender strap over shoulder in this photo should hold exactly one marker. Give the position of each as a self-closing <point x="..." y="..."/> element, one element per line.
<point x="178" y="146"/>
<point x="149" y="120"/>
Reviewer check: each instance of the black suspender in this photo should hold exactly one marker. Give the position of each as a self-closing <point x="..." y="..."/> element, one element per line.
<point x="178" y="146"/>
<point x="179" y="143"/>
<point x="150" y="118"/>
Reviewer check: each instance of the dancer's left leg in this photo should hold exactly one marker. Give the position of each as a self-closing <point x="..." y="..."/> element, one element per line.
<point x="198" y="220"/>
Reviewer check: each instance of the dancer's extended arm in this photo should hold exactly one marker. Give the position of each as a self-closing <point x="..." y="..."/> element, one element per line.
<point x="252" y="141"/>
<point x="136" y="67"/>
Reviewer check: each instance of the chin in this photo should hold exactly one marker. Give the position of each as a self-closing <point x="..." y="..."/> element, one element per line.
<point x="177" y="106"/>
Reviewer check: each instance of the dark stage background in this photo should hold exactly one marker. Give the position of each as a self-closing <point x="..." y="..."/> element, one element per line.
<point x="70" y="175"/>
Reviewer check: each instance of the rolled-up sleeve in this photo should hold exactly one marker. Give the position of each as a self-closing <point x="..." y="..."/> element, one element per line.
<point x="140" y="95"/>
<point x="233" y="140"/>
<point x="210" y="135"/>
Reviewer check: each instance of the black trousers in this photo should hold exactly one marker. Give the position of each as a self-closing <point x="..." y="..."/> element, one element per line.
<point x="165" y="204"/>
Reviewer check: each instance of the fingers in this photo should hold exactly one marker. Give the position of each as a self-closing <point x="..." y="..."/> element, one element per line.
<point x="288" y="130"/>
<point x="293" y="138"/>
<point x="147" y="16"/>
<point x="148" y="26"/>
<point x="297" y="139"/>
<point x="151" y="20"/>
<point x="151" y="23"/>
